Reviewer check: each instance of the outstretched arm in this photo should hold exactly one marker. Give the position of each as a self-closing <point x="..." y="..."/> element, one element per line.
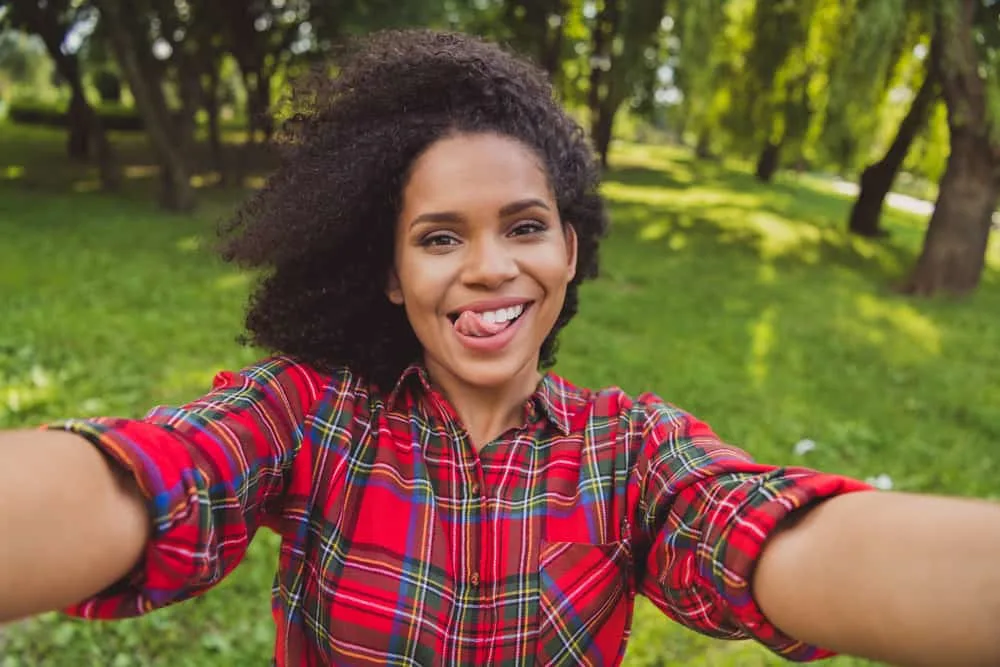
<point x="908" y="579"/>
<point x="71" y="522"/>
<point x="196" y="483"/>
<point x="808" y="563"/>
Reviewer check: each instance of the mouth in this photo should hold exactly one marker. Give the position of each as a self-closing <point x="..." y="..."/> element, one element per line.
<point x="487" y="323"/>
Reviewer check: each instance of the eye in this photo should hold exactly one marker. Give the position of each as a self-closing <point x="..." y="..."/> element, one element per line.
<point x="526" y="227"/>
<point x="438" y="239"/>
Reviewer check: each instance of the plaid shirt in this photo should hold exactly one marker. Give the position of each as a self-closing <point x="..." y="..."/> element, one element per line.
<point x="403" y="546"/>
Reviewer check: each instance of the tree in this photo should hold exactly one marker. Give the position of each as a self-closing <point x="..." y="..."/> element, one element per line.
<point x="878" y="177"/>
<point x="623" y="50"/>
<point x="770" y="67"/>
<point x="788" y="38"/>
<point x="130" y="33"/>
<point x="537" y="30"/>
<point x="954" y="251"/>
<point x="701" y="68"/>
<point x="260" y="36"/>
<point x="52" y="21"/>
<point x="879" y="37"/>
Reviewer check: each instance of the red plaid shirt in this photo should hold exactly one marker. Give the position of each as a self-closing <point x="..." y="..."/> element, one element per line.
<point x="401" y="545"/>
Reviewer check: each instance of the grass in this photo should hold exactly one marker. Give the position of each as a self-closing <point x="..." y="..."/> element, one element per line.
<point x="744" y="303"/>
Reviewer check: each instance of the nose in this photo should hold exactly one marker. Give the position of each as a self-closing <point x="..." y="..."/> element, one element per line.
<point x="489" y="263"/>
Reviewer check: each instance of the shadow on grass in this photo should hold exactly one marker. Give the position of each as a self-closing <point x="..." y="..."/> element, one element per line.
<point x="702" y="204"/>
<point x="34" y="159"/>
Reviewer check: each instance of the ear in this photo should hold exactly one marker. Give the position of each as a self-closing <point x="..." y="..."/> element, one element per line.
<point x="571" y="250"/>
<point x="393" y="289"/>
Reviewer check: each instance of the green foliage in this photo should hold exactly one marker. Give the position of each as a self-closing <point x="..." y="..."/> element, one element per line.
<point x="875" y="36"/>
<point x="929" y="154"/>
<point x="829" y="80"/>
<point x="767" y="95"/>
<point x="24" y="66"/>
<point x="987" y="37"/>
<point x="700" y="69"/>
<point x="744" y="303"/>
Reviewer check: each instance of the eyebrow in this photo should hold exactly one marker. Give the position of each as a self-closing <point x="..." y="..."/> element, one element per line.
<point x="451" y="217"/>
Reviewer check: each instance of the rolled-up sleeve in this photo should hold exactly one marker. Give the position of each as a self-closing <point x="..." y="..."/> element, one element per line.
<point x="704" y="510"/>
<point x="212" y="471"/>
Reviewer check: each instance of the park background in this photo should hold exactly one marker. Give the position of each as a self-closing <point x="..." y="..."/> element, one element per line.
<point x="745" y="279"/>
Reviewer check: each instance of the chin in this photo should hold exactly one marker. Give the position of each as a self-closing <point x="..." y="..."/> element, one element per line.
<point x="491" y="373"/>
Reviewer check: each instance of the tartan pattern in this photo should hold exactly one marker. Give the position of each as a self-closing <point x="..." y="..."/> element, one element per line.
<point x="403" y="546"/>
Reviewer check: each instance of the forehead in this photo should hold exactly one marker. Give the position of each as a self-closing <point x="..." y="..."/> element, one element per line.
<point x="476" y="165"/>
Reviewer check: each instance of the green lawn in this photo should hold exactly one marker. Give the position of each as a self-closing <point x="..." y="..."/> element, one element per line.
<point x="743" y="303"/>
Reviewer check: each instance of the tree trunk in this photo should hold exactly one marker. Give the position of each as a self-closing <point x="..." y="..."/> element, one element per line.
<point x="265" y="120"/>
<point x="876" y="181"/>
<point x="189" y="85"/>
<point x="877" y="178"/>
<point x="93" y="133"/>
<point x="703" y="146"/>
<point x="86" y="131"/>
<point x="954" y="251"/>
<point x="211" y="98"/>
<point x="45" y="22"/>
<point x="551" y="49"/>
<point x="602" y="129"/>
<point x="108" y="167"/>
<point x="251" y="80"/>
<point x="604" y="31"/>
<point x="177" y="193"/>
<point x="78" y="140"/>
<point x="767" y="163"/>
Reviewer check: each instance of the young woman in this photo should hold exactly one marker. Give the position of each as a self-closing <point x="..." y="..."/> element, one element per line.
<point x="440" y="497"/>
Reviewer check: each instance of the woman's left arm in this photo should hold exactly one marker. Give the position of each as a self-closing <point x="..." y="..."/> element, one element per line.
<point x="903" y="578"/>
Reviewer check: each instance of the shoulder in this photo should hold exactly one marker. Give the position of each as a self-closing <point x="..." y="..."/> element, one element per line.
<point x="645" y="414"/>
<point x="293" y="380"/>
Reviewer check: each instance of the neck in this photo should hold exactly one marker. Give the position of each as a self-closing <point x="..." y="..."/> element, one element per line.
<point x="486" y="412"/>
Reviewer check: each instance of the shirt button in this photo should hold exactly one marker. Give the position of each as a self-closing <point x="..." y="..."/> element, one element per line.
<point x="475" y="489"/>
<point x="474" y="579"/>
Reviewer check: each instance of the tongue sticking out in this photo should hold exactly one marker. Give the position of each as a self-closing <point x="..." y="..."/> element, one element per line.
<point x="471" y="324"/>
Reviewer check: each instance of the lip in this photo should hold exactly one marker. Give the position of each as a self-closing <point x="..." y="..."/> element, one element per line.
<point x="499" y="341"/>
<point x="485" y="305"/>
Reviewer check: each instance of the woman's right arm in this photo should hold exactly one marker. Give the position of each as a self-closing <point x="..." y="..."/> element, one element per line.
<point x="72" y="522"/>
<point x="110" y="518"/>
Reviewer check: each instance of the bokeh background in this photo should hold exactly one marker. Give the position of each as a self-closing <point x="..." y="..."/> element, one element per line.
<point x="802" y="193"/>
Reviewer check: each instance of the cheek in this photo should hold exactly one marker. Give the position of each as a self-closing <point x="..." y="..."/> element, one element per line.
<point x="423" y="285"/>
<point x="555" y="271"/>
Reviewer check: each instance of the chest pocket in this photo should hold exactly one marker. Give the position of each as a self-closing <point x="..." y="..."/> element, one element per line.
<point x="585" y="602"/>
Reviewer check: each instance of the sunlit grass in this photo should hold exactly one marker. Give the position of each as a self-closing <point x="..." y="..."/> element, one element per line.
<point x="744" y="303"/>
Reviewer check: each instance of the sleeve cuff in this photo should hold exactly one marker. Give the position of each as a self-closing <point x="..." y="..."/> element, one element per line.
<point x="736" y="549"/>
<point x="114" y="437"/>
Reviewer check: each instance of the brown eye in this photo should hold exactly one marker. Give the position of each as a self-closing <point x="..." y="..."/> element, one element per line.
<point x="527" y="227"/>
<point x="439" y="239"/>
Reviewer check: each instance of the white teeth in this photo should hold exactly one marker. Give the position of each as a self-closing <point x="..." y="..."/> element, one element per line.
<point x="503" y="314"/>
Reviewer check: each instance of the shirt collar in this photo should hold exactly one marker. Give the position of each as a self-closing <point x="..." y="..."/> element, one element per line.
<point x="559" y="401"/>
<point x="555" y="399"/>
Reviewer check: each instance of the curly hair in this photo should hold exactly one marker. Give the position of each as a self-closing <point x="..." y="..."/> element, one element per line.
<point x="322" y="227"/>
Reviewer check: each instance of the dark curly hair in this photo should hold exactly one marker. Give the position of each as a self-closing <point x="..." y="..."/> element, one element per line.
<point x="322" y="227"/>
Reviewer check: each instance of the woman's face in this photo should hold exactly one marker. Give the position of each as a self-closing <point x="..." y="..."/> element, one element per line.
<point x="482" y="260"/>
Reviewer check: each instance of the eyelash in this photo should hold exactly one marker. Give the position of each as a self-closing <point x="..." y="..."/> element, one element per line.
<point x="520" y="229"/>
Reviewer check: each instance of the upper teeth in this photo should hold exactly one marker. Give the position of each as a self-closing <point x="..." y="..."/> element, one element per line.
<point x="503" y="314"/>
